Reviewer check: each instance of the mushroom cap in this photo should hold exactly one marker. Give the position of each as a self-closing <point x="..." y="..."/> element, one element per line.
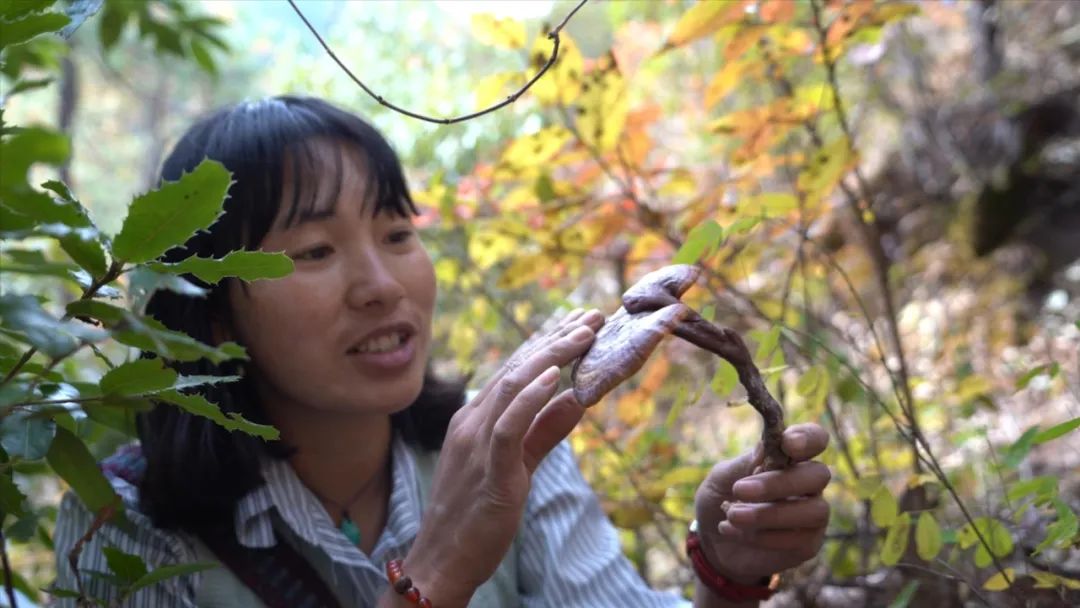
<point x="660" y="288"/>
<point x="621" y="347"/>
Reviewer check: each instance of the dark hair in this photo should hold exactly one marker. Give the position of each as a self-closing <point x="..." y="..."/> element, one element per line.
<point x="196" y="470"/>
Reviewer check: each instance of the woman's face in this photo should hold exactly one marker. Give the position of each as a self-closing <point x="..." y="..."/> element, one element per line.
<point x="349" y="331"/>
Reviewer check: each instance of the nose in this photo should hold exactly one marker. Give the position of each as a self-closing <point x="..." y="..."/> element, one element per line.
<point x="373" y="282"/>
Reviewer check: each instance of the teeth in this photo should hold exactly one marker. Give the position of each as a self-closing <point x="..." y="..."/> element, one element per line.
<point x="381" y="344"/>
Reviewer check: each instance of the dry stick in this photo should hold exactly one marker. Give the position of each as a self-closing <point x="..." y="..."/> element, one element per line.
<point x="102" y="517"/>
<point x="553" y="35"/>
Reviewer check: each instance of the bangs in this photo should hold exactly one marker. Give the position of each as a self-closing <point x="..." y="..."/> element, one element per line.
<point x="259" y="142"/>
<point x="316" y="168"/>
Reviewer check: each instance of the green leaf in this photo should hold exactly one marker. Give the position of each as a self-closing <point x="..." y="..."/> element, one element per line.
<point x="245" y="265"/>
<point x="165" y="218"/>
<point x="1015" y="453"/>
<point x="1050" y="369"/>
<point x="112" y="22"/>
<point x="1044" y="488"/>
<point x="896" y="541"/>
<point x="26" y="319"/>
<point x="903" y="599"/>
<point x="167" y="572"/>
<point x="13" y="9"/>
<point x="71" y="460"/>
<point x="11" y="497"/>
<point x="927" y="536"/>
<point x="701" y="242"/>
<point x="138" y="377"/>
<point x="1063" y="531"/>
<point x="127" y="567"/>
<point x="20" y="151"/>
<point x="725" y="378"/>
<point x="883" y="507"/>
<point x="203" y="57"/>
<point x="148" y="334"/>
<point x="767" y="343"/>
<point x="118" y="413"/>
<point x="198" y="405"/>
<point x="27" y="436"/>
<point x="14" y="32"/>
<point x="1057" y="431"/>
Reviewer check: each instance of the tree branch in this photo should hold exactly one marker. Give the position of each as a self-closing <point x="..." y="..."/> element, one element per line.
<point x="553" y="35"/>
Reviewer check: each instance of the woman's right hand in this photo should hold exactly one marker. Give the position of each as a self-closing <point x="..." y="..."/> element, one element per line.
<point x="493" y="445"/>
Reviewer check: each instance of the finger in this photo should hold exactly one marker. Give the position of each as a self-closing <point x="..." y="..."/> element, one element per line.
<point x="508" y="433"/>
<point x="557" y="353"/>
<point x="809" y="513"/>
<point x="799" y="544"/>
<point x="802" y="479"/>
<point x="551" y="426"/>
<point x="577" y="317"/>
<point x="804" y="441"/>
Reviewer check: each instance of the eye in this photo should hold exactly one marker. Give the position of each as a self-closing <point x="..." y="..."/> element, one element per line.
<point x="400" y="236"/>
<point x="315" y="253"/>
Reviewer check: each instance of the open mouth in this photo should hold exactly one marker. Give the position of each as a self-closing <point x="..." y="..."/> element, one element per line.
<point x="381" y="344"/>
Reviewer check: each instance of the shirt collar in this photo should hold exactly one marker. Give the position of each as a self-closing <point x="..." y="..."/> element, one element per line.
<point x="297" y="507"/>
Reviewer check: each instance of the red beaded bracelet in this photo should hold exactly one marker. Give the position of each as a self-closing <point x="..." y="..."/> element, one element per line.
<point x="720" y="585"/>
<point x="403" y="586"/>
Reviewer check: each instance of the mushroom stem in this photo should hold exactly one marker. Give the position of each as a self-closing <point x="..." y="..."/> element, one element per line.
<point x="726" y="343"/>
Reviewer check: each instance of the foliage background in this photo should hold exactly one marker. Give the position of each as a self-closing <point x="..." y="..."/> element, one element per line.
<point x="883" y="195"/>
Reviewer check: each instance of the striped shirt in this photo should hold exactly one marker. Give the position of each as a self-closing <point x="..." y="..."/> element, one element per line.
<point x="568" y="551"/>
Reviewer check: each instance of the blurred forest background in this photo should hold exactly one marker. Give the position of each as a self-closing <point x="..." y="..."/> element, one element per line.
<point x="884" y="197"/>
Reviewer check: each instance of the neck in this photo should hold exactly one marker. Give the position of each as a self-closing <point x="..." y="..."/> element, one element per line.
<point x="343" y="458"/>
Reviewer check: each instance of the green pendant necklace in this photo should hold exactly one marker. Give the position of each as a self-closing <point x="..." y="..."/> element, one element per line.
<point x="349" y="529"/>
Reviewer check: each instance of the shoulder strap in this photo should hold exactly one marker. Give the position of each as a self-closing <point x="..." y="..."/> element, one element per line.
<point x="278" y="575"/>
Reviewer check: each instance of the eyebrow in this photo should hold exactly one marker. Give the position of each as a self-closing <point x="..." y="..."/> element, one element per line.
<point x="316" y="216"/>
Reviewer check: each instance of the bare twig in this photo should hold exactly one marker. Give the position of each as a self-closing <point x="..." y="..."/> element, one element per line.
<point x="9" y="581"/>
<point x="553" y="35"/>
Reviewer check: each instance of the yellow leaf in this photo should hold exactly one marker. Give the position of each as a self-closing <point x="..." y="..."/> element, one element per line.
<point x="1001" y="580"/>
<point x="506" y="33"/>
<point x="497" y="87"/>
<point x="826" y="168"/>
<point x="896" y="541"/>
<point x="603" y="109"/>
<point x="536" y="149"/>
<point x="634" y="408"/>
<point x="883" y="507"/>
<point x="523" y="270"/>
<point x="562" y="83"/>
<point x="488" y="246"/>
<point x="927" y="536"/>
<point x="1047" y="580"/>
<point x="684" y="476"/>
<point x="704" y="18"/>
<point x="770" y="204"/>
<point x="724" y="82"/>
<point x="630" y="516"/>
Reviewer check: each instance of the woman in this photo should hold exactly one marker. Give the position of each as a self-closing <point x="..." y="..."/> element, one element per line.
<point x="381" y="473"/>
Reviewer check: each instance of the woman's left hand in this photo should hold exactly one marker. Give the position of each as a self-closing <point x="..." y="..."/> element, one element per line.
<point x="775" y="520"/>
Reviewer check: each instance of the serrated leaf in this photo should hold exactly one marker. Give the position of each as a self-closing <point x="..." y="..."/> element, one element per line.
<point x="896" y="541"/>
<point x="505" y="33"/>
<point x="1057" y="431"/>
<point x="139" y="377"/>
<point x="11" y="10"/>
<point x="883" y="507"/>
<point x="21" y="30"/>
<point x="11" y="497"/>
<point x="244" y="265"/>
<point x="71" y="460"/>
<point x="927" y="536"/>
<point x="198" y="405"/>
<point x="701" y="242"/>
<point x="171" y="571"/>
<point x="1000" y="581"/>
<point x="148" y="334"/>
<point x="118" y="413"/>
<point x="127" y="567"/>
<point x="165" y="218"/>
<point x="27" y="436"/>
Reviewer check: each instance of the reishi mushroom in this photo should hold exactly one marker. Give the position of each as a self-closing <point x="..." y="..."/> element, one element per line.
<point x="651" y="310"/>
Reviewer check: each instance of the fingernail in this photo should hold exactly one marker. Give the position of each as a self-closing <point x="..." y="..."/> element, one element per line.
<point x="726" y="529"/>
<point x="593" y="315"/>
<point x="741" y="515"/>
<point x="549" y="376"/>
<point x="581" y="334"/>
<point x="748" y="489"/>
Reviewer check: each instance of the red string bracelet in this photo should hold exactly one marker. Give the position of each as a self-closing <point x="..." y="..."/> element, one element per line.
<point x="720" y="585"/>
<point x="403" y="586"/>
